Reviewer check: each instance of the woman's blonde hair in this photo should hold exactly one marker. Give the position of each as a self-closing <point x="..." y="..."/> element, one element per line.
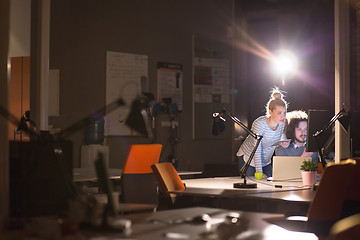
<point x="276" y="99"/>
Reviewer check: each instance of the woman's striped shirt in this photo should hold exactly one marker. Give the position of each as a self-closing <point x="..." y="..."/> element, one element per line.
<point x="265" y="150"/>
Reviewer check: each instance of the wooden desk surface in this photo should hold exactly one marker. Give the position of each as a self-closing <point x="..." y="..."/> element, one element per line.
<point x="223" y="186"/>
<point x="292" y="198"/>
<point x="178" y="224"/>
<point x="89" y="174"/>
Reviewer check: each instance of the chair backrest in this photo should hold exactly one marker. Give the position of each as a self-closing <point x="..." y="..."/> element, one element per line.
<point x="168" y="178"/>
<point x="140" y="158"/>
<point x="137" y="179"/>
<point x="338" y="194"/>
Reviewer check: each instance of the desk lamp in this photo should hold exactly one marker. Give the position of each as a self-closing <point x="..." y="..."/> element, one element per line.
<point x="344" y="120"/>
<point x="219" y="126"/>
<point x="138" y="118"/>
<point x="22" y="125"/>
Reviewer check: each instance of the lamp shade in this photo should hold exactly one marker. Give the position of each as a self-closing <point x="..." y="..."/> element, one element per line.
<point x="345" y="121"/>
<point x="137" y="116"/>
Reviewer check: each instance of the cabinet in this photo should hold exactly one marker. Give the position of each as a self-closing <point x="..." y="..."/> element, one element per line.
<point x="19" y="93"/>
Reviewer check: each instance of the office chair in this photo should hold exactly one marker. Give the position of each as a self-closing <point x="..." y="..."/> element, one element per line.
<point x="169" y="180"/>
<point x="337" y="195"/>
<point x="138" y="184"/>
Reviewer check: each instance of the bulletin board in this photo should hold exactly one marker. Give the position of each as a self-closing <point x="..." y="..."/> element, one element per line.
<point x="126" y="77"/>
<point x="212" y="81"/>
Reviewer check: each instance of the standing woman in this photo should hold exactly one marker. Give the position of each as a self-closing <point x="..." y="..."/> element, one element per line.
<point x="271" y="127"/>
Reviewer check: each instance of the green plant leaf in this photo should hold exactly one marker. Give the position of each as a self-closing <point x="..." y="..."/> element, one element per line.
<point x="309" y="165"/>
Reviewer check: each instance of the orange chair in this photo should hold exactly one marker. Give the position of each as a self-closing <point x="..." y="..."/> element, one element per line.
<point x="169" y="180"/>
<point x="137" y="179"/>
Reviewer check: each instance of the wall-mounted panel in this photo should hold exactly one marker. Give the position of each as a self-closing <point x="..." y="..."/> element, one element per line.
<point x="211" y="86"/>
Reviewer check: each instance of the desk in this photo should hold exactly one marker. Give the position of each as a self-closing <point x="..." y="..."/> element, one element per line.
<point x="290" y="199"/>
<point x="134" y="207"/>
<point x="173" y="224"/>
<point x="178" y="224"/>
<point x="89" y="174"/>
<point x="189" y="174"/>
<point x="86" y="180"/>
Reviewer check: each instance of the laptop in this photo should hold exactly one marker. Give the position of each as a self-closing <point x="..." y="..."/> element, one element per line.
<point x="287" y="168"/>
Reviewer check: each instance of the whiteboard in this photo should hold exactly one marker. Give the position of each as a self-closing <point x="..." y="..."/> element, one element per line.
<point x="125" y="76"/>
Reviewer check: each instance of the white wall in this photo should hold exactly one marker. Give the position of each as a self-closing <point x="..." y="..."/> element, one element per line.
<point x="19" y="39"/>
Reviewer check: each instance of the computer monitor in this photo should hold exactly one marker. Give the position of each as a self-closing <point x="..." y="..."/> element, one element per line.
<point x="317" y="120"/>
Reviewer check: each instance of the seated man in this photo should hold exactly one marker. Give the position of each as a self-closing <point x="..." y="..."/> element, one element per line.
<point x="296" y="130"/>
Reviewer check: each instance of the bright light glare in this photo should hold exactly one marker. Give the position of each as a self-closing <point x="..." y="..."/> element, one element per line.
<point x="285" y="64"/>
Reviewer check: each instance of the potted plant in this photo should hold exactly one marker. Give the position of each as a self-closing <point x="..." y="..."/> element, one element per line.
<point x="308" y="172"/>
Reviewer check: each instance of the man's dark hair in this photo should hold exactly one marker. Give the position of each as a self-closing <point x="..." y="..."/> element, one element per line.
<point x="293" y="119"/>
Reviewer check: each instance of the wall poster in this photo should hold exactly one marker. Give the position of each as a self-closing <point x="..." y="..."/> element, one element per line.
<point x="211" y="80"/>
<point x="170" y="77"/>
<point x="212" y="84"/>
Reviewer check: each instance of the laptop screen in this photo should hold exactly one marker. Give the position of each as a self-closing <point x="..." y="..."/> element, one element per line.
<point x="287" y="168"/>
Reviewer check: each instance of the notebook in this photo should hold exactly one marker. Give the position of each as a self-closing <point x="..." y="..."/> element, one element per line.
<point x="287" y="168"/>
